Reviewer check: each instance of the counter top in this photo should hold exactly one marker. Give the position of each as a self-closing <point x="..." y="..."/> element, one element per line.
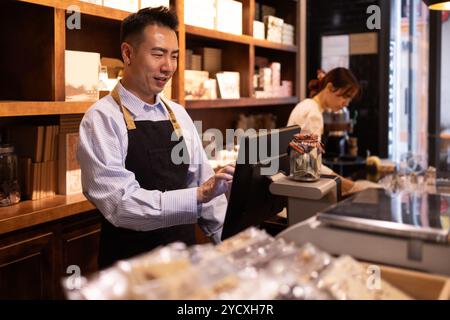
<point x="30" y="213"/>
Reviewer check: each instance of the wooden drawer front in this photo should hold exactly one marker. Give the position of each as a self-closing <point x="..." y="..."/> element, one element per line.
<point x="26" y="268"/>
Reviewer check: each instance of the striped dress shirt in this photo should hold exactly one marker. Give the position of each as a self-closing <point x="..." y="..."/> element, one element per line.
<point x="114" y="190"/>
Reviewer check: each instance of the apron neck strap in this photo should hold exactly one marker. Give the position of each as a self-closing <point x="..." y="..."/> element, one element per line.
<point x="126" y="113"/>
<point x="129" y="118"/>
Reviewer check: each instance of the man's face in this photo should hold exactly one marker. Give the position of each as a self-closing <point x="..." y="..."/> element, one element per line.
<point x="154" y="60"/>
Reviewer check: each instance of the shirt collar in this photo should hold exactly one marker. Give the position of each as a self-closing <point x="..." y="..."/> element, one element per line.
<point x="134" y="104"/>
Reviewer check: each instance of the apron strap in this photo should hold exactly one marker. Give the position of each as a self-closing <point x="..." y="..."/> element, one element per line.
<point x="129" y="118"/>
<point x="126" y="113"/>
<point x="173" y="120"/>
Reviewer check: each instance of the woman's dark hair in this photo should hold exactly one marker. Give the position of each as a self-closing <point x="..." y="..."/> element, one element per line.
<point x="340" y="78"/>
<point x="133" y="25"/>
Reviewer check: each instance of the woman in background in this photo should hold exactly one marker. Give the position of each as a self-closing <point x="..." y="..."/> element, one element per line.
<point x="334" y="91"/>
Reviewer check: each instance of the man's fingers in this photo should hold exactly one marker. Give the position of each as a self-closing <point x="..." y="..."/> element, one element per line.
<point x="223" y="176"/>
<point x="228" y="169"/>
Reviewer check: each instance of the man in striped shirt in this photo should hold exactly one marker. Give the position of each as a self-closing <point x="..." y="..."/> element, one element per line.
<point x="142" y="161"/>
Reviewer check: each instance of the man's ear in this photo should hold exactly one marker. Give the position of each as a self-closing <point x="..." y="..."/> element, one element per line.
<point x="127" y="51"/>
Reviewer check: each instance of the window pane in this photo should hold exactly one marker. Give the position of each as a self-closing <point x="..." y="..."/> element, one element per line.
<point x="444" y="164"/>
<point x="408" y="107"/>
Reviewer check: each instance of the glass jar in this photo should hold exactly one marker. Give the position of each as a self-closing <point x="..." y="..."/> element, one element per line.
<point x="305" y="157"/>
<point x="9" y="184"/>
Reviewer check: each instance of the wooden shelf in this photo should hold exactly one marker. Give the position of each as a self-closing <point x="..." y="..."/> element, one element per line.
<point x="274" y="45"/>
<point x="85" y="7"/>
<point x="38" y="108"/>
<point x="217" y="35"/>
<point x="245" y="39"/>
<point x="29" y="213"/>
<point x="239" y="103"/>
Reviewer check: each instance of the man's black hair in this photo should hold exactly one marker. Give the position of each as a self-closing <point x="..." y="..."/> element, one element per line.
<point x="133" y="25"/>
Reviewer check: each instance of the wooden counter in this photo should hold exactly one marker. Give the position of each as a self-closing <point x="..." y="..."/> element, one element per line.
<point x="31" y="213"/>
<point x="41" y="239"/>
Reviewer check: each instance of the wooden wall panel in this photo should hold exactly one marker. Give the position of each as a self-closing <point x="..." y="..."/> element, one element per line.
<point x="27" y="49"/>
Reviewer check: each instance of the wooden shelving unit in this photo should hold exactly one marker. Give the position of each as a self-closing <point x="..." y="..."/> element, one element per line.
<point x="274" y="45"/>
<point x="41" y="238"/>
<point x="238" y="103"/>
<point x="37" y="85"/>
<point x="217" y="35"/>
<point x="101" y="27"/>
<point x="41" y="108"/>
<point x="85" y="8"/>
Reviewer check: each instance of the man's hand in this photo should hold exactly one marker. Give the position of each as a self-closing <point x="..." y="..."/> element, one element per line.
<point x="216" y="185"/>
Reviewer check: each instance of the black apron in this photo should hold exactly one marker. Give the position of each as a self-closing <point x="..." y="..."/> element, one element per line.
<point x="149" y="158"/>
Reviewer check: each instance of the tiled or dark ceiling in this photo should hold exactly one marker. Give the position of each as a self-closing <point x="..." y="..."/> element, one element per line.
<point x="346" y="15"/>
<point x="328" y="17"/>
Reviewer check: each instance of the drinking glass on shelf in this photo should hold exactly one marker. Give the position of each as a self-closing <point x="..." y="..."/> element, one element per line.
<point x="103" y="78"/>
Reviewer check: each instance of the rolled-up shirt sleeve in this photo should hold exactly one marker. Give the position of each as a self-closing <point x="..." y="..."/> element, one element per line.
<point x="114" y="190"/>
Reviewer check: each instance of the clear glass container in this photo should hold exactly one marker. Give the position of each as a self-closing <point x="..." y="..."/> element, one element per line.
<point x="305" y="158"/>
<point x="9" y="184"/>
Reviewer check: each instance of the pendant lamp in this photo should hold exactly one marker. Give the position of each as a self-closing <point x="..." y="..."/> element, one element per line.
<point x="438" y="5"/>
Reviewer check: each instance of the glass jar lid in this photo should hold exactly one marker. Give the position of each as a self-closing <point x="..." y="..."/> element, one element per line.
<point x="304" y="143"/>
<point x="6" y="148"/>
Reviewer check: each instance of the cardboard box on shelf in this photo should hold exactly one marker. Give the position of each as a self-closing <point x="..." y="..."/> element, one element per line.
<point x="288" y="27"/>
<point x="287" y="88"/>
<point x="276" y="74"/>
<point x="229" y="84"/>
<point x="211" y="60"/>
<point x="274" y="28"/>
<point x="194" y="84"/>
<point x="210" y="86"/>
<point x="196" y="62"/>
<point x="82" y="75"/>
<point x="229" y="16"/>
<point x="155" y="3"/>
<point x="258" y="30"/>
<point x="69" y="168"/>
<point x="130" y="5"/>
<point x="188" y="59"/>
<point x="287" y="40"/>
<point x="200" y="13"/>
<point x="98" y="2"/>
<point x="288" y="34"/>
<point x="265" y="79"/>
